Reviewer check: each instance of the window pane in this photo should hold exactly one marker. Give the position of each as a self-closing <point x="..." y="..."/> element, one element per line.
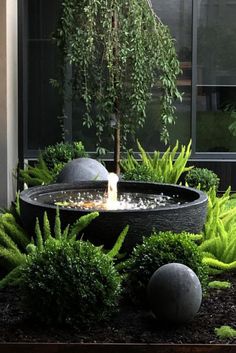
<point x="43" y="104"/>
<point x="178" y="16"/>
<point x="216" y="76"/>
<point x="217" y="42"/>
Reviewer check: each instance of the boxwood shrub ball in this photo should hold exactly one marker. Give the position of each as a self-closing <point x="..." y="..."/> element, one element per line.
<point x="82" y="169"/>
<point x="174" y="293"/>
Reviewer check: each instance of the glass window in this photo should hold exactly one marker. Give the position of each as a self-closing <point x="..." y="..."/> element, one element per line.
<point x="178" y="16"/>
<point x="216" y="76"/>
<point x="43" y="104"/>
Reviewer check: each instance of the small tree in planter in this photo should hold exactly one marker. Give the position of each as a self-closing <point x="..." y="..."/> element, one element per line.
<point x="117" y="49"/>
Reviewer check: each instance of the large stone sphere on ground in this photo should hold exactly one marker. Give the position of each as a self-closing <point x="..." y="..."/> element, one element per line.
<point x="174" y="293"/>
<point x="82" y="169"/>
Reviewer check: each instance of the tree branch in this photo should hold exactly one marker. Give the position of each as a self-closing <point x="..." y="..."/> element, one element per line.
<point x="153" y="12"/>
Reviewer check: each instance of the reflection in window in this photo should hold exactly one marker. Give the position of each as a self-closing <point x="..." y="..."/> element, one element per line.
<point x="216" y="76"/>
<point x="217" y="42"/>
<point x="43" y="102"/>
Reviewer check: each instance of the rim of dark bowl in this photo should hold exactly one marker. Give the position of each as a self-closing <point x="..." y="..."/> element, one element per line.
<point x="28" y="194"/>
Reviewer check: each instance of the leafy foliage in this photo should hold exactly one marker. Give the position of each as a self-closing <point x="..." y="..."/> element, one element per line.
<point x="117" y="50"/>
<point x="225" y="332"/>
<point x="118" y="244"/>
<point x="70" y="281"/>
<point x="15" y="245"/>
<point x="219" y="236"/>
<point x="51" y="161"/>
<point x="219" y="284"/>
<point x="62" y="152"/>
<point x="202" y="177"/>
<point x="36" y="175"/>
<point x="15" y="256"/>
<point x="13" y="242"/>
<point x="167" y="168"/>
<point x="217" y="213"/>
<point x="157" y="250"/>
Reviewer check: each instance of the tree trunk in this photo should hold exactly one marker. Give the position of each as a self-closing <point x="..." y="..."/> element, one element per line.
<point x="117" y="129"/>
<point x="117" y="145"/>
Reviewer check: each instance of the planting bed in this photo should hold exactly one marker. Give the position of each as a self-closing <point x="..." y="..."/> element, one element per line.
<point x="128" y="326"/>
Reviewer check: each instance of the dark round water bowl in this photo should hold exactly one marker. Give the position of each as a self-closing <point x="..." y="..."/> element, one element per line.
<point x="186" y="213"/>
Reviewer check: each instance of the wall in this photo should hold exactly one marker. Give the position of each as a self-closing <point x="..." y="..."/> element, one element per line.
<point x="8" y="100"/>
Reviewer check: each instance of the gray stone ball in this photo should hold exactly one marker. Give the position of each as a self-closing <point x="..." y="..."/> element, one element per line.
<point x="82" y="169"/>
<point x="174" y="293"/>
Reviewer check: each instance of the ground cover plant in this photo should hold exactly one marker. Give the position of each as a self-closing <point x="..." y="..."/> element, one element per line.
<point x="219" y="284"/>
<point x="225" y="332"/>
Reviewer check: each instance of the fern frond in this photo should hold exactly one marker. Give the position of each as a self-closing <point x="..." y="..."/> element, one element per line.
<point x="57" y="226"/>
<point x="229" y="254"/>
<point x="66" y="232"/>
<point x="11" y="258"/>
<point x="38" y="234"/>
<point x="46" y="227"/>
<point x="219" y="265"/>
<point x="13" y="278"/>
<point x="118" y="244"/>
<point x="7" y="242"/>
<point x="14" y="230"/>
<point x="36" y="175"/>
<point x="144" y="156"/>
<point x="17" y="203"/>
<point x="81" y="223"/>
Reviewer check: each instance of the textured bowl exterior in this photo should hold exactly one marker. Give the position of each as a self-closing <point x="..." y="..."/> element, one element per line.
<point x="105" y="229"/>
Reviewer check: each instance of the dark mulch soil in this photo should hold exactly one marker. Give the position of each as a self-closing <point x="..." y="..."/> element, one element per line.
<point x="129" y="325"/>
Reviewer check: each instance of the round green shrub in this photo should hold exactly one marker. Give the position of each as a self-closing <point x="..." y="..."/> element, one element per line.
<point x="62" y="152"/>
<point x="143" y="173"/>
<point x="70" y="282"/>
<point x="155" y="251"/>
<point x="202" y="177"/>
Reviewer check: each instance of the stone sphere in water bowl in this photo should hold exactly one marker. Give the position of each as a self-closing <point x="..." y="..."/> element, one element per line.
<point x="82" y="169"/>
<point x="174" y="293"/>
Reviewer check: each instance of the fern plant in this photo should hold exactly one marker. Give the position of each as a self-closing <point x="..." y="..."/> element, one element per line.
<point x="36" y="175"/>
<point x="167" y="168"/>
<point x="219" y="235"/>
<point x="13" y="241"/>
<point x="218" y="214"/>
<point x="16" y="257"/>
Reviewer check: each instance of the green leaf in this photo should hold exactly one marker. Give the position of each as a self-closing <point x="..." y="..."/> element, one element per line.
<point x="119" y="242"/>
<point x="81" y="224"/>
